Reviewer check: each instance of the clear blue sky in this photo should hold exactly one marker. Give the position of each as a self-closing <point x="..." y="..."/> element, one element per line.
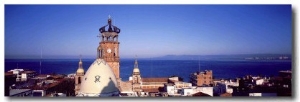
<point x="148" y="30"/>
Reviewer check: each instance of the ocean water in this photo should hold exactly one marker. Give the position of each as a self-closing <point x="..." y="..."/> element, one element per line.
<point x="161" y="68"/>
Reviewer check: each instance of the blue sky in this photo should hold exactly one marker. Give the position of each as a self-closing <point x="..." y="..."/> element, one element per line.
<point x="148" y="30"/>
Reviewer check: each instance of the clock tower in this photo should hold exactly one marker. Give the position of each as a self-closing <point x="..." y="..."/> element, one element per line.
<point x="108" y="48"/>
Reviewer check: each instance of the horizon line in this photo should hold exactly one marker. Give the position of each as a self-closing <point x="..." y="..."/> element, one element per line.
<point x="92" y="57"/>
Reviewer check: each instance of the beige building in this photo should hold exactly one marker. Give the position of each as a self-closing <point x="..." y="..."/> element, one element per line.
<point x="202" y="78"/>
<point x="136" y="78"/>
<point x="140" y="84"/>
<point x="108" y="48"/>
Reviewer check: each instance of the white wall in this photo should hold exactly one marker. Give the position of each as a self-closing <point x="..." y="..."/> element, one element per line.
<point x="259" y="81"/>
<point x="170" y="90"/>
<point x="186" y="92"/>
<point x="206" y="90"/>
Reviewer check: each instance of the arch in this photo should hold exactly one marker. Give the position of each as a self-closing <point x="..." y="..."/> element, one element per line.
<point x="79" y="80"/>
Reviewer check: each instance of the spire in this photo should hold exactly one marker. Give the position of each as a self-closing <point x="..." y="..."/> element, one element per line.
<point x="136" y="63"/>
<point x="41" y="61"/>
<point x="109" y="20"/>
<point x="199" y="64"/>
<point x="80" y="70"/>
<point x="136" y="69"/>
<point x="80" y="63"/>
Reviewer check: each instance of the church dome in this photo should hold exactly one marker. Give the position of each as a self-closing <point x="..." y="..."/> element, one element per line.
<point x="80" y="70"/>
<point x="136" y="70"/>
<point x="136" y="67"/>
<point x="99" y="80"/>
<point x="109" y="27"/>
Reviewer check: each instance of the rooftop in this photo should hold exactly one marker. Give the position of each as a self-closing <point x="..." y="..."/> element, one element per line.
<point x="155" y="79"/>
<point x="151" y="90"/>
<point x="17" y="91"/>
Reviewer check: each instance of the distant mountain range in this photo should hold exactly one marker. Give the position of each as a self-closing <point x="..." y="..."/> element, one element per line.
<point x="227" y="57"/>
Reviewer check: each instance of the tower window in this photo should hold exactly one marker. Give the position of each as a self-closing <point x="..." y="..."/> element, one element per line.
<point x="79" y="80"/>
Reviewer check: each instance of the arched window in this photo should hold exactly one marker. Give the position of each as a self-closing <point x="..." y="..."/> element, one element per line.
<point x="79" y="80"/>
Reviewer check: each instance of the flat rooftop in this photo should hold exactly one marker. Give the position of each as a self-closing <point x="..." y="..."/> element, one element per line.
<point x="17" y="91"/>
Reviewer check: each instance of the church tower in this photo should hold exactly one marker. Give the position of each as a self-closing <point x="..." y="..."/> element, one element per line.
<point x="108" y="48"/>
<point x="136" y="78"/>
<point x="79" y="77"/>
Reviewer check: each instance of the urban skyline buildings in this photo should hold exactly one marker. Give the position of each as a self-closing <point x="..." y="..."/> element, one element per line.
<point x="91" y="76"/>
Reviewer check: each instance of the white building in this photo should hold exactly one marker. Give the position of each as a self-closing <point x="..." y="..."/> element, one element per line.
<point x="99" y="81"/>
<point x="59" y="95"/>
<point x="186" y="91"/>
<point x="263" y="94"/>
<point x="259" y="81"/>
<point x="180" y="84"/>
<point x="17" y="71"/>
<point x="22" y="75"/>
<point x="193" y="90"/>
<point x="206" y="90"/>
<point x="222" y="86"/>
<point x="170" y="89"/>
<point x="72" y="75"/>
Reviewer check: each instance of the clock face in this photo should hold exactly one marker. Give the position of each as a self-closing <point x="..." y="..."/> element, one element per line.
<point x="108" y="50"/>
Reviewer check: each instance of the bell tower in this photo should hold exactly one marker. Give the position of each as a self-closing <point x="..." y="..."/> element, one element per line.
<point x="136" y="78"/>
<point x="108" y="48"/>
<point x="79" y="76"/>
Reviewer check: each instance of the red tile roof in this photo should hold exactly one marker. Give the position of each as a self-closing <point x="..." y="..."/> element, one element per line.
<point x="155" y="79"/>
<point x="151" y="90"/>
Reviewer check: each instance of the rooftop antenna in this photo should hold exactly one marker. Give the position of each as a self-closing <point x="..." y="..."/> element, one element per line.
<point x="41" y="61"/>
<point x="151" y="66"/>
<point x="199" y="63"/>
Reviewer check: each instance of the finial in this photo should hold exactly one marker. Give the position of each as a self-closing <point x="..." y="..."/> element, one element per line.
<point x="80" y="62"/>
<point x="80" y="57"/>
<point x="135" y="62"/>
